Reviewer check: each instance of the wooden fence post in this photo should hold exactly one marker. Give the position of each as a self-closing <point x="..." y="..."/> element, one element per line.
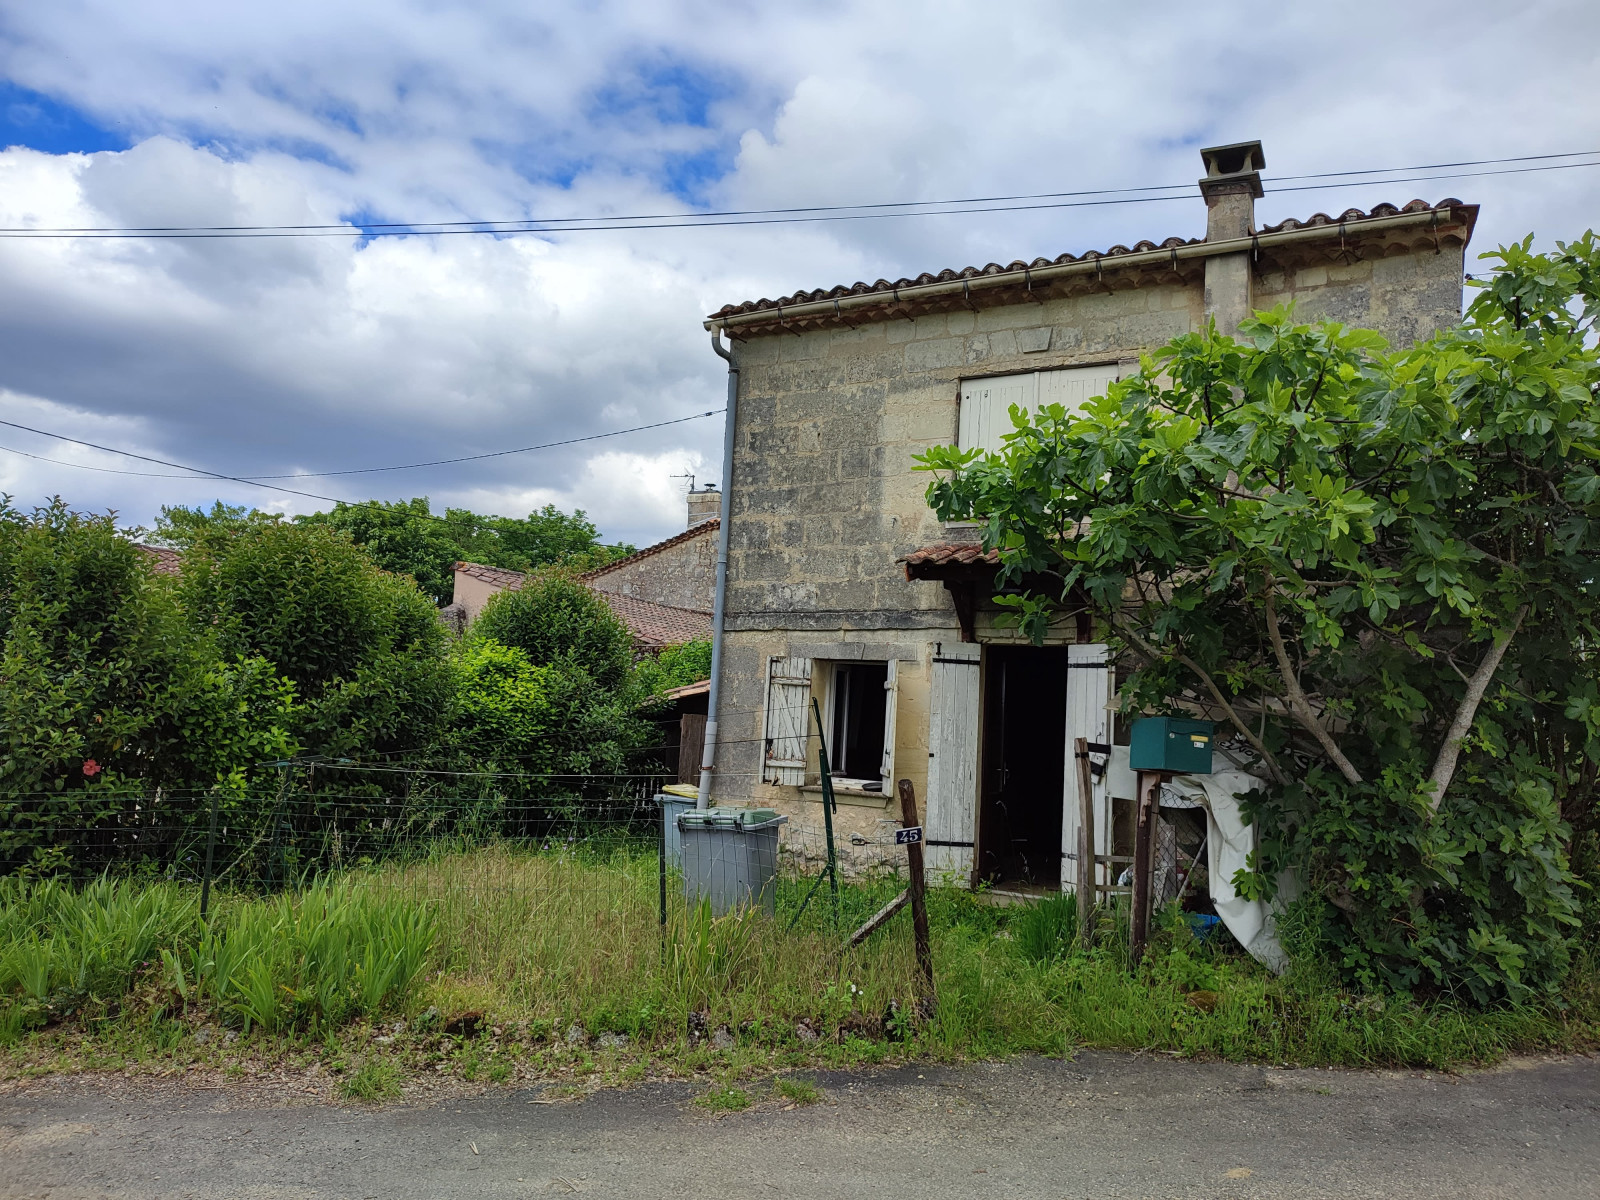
<point x="1143" y="851"/>
<point x="1086" y="856"/>
<point x="917" y="887"/>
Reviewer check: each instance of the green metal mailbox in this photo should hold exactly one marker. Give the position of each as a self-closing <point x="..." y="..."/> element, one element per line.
<point x="1173" y="744"/>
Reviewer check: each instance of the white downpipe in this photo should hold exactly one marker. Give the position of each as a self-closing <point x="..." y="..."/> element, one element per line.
<point x="718" y="604"/>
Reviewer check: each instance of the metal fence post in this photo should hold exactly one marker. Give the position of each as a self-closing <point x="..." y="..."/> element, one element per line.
<point x="211" y="846"/>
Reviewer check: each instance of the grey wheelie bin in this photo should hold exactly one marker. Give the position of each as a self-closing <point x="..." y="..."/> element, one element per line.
<point x="730" y="857"/>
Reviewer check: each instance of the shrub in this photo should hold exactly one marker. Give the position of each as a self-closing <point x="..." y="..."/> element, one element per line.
<point x="554" y="618"/>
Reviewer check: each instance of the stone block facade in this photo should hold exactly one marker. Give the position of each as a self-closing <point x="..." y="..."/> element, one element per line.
<point x="833" y="407"/>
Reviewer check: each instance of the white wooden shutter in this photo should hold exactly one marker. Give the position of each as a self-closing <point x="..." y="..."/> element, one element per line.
<point x="891" y="697"/>
<point x="986" y="408"/>
<point x="986" y="403"/>
<point x="1073" y="387"/>
<point x="1091" y="680"/>
<point x="788" y="720"/>
<point x="951" y="823"/>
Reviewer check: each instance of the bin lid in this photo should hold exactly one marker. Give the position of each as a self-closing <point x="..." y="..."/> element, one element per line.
<point x="684" y="791"/>
<point x="731" y="818"/>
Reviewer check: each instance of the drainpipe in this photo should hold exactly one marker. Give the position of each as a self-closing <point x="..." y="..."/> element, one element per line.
<point x="719" y="604"/>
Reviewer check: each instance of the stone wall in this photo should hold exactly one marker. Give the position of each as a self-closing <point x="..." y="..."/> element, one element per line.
<point x="683" y="572"/>
<point x="825" y="498"/>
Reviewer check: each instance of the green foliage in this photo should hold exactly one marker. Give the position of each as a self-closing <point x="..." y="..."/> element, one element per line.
<point x="513" y="714"/>
<point x="724" y="1098"/>
<point x="1044" y="930"/>
<point x="316" y="960"/>
<point x="372" y="1081"/>
<point x="1329" y="546"/>
<point x="108" y="693"/>
<point x="798" y="1091"/>
<point x="555" y="618"/>
<point x="674" y="667"/>
<point x="363" y="648"/>
<point x="405" y="537"/>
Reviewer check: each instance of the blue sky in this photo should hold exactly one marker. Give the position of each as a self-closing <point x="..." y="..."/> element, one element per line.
<point x="268" y="357"/>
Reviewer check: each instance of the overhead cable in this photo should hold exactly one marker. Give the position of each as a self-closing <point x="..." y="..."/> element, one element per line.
<point x="793" y="216"/>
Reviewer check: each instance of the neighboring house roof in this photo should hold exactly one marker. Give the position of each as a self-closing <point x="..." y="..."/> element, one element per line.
<point x="703" y="687"/>
<point x="499" y="576"/>
<point x="168" y="561"/>
<point x="694" y="531"/>
<point x="651" y="624"/>
<point x="1450" y="219"/>
<point x="655" y="624"/>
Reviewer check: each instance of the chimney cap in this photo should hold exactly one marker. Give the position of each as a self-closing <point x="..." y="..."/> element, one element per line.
<point x="1227" y="167"/>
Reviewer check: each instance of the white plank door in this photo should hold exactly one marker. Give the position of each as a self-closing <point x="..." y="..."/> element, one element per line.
<point x="951" y="822"/>
<point x="1091" y="681"/>
<point x="787" y="720"/>
<point x="891" y="698"/>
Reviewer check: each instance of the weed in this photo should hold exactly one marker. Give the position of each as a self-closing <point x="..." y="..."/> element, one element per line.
<point x="374" y="1080"/>
<point x="798" y="1091"/>
<point x="724" y="1098"/>
<point x="499" y="1071"/>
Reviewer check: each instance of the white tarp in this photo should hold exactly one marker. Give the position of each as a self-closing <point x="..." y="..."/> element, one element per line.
<point x="1229" y="842"/>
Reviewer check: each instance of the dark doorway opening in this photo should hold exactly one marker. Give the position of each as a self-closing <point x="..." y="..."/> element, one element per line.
<point x="1024" y="752"/>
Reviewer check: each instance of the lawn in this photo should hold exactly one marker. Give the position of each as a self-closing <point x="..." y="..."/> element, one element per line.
<point x="502" y="963"/>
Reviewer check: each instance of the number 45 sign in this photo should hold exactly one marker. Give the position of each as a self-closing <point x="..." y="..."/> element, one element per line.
<point x="907" y="837"/>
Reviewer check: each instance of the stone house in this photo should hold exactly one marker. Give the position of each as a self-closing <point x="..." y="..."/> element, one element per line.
<point x="662" y="593"/>
<point x="845" y="591"/>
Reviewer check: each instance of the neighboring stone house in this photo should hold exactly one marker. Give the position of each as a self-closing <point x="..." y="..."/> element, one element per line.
<point x="662" y="593"/>
<point x="844" y="588"/>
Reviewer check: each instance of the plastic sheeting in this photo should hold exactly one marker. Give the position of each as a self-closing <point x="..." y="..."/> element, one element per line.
<point x="1229" y="843"/>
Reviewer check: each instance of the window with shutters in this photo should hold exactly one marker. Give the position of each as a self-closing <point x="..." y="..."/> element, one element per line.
<point x="986" y="403"/>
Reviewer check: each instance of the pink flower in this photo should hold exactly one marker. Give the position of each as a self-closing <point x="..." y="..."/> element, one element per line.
<point x="91" y="768"/>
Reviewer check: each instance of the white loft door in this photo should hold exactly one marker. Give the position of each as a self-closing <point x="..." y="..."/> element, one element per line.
<point x="986" y="403"/>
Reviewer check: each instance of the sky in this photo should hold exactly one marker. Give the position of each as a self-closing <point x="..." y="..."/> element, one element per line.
<point x="275" y="357"/>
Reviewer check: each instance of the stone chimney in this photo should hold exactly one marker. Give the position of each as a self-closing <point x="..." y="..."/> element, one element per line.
<point x="704" y="505"/>
<point x="1231" y="186"/>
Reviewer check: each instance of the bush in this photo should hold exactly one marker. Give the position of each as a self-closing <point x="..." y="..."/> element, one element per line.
<point x="554" y="617"/>
<point x="674" y="667"/>
<point x="108" y="697"/>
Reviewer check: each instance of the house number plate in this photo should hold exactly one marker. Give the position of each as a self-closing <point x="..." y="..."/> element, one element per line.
<point x="907" y="837"/>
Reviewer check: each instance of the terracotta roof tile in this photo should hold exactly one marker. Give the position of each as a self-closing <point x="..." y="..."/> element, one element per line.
<point x="655" y="624"/>
<point x="167" y="560"/>
<point x="951" y="554"/>
<point x="886" y="286"/>
<point x="499" y="576"/>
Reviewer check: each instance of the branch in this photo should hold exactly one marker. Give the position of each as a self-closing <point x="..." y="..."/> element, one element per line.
<point x="1444" y="767"/>
<point x="1298" y="704"/>
<point x="1150" y="652"/>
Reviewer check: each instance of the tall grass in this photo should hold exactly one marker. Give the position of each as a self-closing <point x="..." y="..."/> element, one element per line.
<point x="570" y="936"/>
<point x="313" y="960"/>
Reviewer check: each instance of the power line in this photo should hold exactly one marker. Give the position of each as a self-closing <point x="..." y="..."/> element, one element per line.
<point x="260" y="481"/>
<point x="440" y="462"/>
<point x="683" y="220"/>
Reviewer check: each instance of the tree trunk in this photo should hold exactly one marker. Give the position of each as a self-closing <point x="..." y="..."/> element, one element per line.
<point x="1444" y="767"/>
<point x="1298" y="704"/>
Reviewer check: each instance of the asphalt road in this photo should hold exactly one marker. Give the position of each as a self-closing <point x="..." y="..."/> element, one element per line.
<point x="1101" y="1126"/>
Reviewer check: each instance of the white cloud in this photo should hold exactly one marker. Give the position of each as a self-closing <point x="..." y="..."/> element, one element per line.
<point x="281" y="355"/>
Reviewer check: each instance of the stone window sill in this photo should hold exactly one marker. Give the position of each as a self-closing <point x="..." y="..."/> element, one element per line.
<point x="850" y="795"/>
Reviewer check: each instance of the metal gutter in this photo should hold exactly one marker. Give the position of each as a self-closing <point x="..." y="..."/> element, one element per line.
<point x="719" y="603"/>
<point x="1095" y="265"/>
